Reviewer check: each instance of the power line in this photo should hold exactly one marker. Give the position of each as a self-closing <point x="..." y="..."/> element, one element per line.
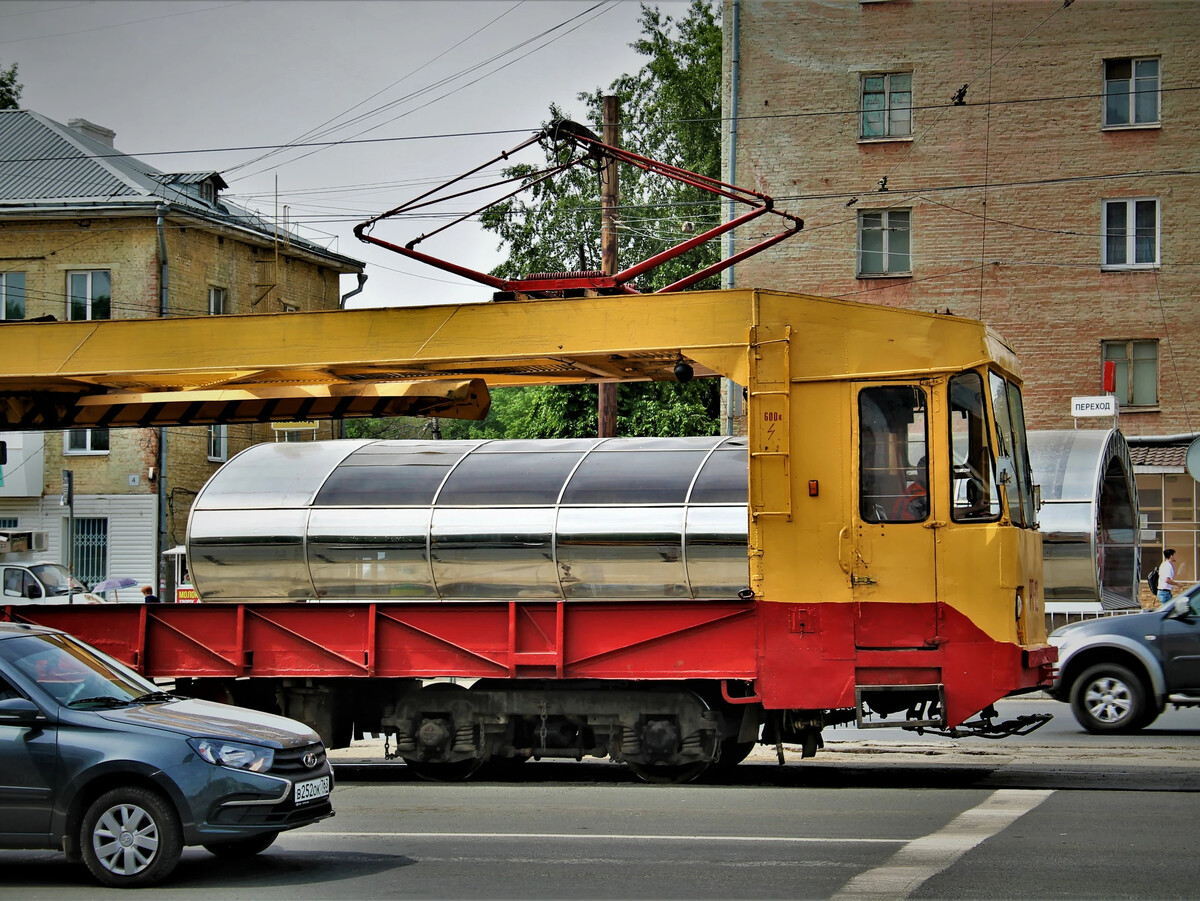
<point x="465" y="72"/>
<point x="404" y="77"/>
<point x="437" y="136"/>
<point x="63" y="34"/>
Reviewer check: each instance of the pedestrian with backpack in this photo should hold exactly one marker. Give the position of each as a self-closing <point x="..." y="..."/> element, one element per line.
<point x="1166" y="577"/>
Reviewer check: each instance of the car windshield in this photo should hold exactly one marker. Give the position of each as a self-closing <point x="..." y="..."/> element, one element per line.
<point x="57" y="580"/>
<point x="72" y="673"/>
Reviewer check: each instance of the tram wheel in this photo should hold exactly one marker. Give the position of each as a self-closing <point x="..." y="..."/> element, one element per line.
<point x="674" y="774"/>
<point x="733" y="752"/>
<point x="445" y="771"/>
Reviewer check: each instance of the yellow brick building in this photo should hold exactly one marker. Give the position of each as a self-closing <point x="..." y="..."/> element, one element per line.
<point x="1030" y="163"/>
<point x="89" y="233"/>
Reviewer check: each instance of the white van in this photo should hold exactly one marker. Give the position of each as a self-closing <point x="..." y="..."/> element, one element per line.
<point x="43" y="583"/>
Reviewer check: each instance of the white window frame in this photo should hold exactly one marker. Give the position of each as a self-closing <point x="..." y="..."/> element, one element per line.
<point x="1131" y="95"/>
<point x="888" y="107"/>
<point x="1131" y="236"/>
<point x="1127" y="369"/>
<point x="90" y="277"/>
<point x="218" y="300"/>
<point x="87" y="450"/>
<point x="218" y="443"/>
<point x="886" y="228"/>
<point x="6" y="280"/>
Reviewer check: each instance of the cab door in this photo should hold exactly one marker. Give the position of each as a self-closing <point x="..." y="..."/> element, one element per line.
<point x="1179" y="644"/>
<point x="892" y="562"/>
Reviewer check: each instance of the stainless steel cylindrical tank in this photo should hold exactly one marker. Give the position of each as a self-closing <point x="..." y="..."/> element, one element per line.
<point x="411" y="520"/>
<point x="573" y="519"/>
<point x="1089" y="516"/>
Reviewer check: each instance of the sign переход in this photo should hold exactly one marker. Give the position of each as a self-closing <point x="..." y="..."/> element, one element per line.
<point x="1104" y="405"/>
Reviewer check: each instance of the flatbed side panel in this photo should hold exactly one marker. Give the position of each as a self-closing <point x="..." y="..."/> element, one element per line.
<point x="497" y="639"/>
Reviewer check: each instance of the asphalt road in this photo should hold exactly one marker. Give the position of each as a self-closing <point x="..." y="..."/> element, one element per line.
<point x="1057" y="814"/>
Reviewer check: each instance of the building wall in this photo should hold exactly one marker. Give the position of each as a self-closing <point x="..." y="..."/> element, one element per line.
<point x="198" y="258"/>
<point x="131" y="523"/>
<point x="1006" y="195"/>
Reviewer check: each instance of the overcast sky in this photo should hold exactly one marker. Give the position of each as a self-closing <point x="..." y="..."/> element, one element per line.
<point x="190" y="86"/>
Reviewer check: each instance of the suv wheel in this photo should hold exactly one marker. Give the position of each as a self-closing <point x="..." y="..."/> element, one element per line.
<point x="1110" y="698"/>
<point x="130" y="837"/>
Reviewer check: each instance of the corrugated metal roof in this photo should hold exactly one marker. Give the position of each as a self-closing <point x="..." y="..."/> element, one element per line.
<point x="194" y="178"/>
<point x="45" y="164"/>
<point x="39" y="162"/>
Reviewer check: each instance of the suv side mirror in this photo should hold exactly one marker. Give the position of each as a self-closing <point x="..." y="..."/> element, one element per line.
<point x="19" y="711"/>
<point x="33" y="591"/>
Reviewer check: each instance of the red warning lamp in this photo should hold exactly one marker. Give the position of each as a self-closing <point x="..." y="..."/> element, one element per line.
<point x="1110" y="376"/>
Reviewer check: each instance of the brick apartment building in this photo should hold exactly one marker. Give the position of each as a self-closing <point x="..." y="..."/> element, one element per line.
<point x="87" y="232"/>
<point x="1032" y="164"/>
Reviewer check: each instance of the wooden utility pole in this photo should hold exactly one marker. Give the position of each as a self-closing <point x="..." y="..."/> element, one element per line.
<point x="609" y="197"/>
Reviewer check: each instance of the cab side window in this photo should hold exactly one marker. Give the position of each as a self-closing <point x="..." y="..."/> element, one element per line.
<point x="893" y="454"/>
<point x="13" y="582"/>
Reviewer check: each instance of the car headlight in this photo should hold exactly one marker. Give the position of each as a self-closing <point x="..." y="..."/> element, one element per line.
<point x="233" y="755"/>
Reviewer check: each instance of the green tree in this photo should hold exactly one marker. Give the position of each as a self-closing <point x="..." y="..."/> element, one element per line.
<point x="670" y="111"/>
<point x="10" y="88"/>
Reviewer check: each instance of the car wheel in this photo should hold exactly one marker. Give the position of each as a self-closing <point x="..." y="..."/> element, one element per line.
<point x="130" y="837"/>
<point x="243" y="847"/>
<point x="1109" y="698"/>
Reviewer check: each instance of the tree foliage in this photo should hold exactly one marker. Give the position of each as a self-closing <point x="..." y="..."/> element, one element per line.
<point x="10" y="88"/>
<point x="670" y="111"/>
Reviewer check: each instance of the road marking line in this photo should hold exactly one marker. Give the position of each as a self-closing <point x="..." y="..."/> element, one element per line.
<point x="592" y="836"/>
<point x="925" y="857"/>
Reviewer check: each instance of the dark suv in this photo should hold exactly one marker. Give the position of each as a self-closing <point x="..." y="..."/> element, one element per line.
<point x="1120" y="672"/>
<point x="99" y="762"/>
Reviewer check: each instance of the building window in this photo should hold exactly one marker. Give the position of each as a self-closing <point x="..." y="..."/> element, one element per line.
<point x="1131" y="91"/>
<point x="1169" y="506"/>
<point x="1137" y="371"/>
<point x="91" y="549"/>
<point x="1130" y="234"/>
<point x="8" y="522"/>
<point x="216" y="301"/>
<point x="884" y="243"/>
<point x="12" y="295"/>
<point x="89" y="295"/>
<point x="218" y="443"/>
<point x="87" y="441"/>
<point x="887" y="105"/>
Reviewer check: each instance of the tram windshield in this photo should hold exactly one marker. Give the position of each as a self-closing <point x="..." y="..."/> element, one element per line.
<point x="1012" y="455"/>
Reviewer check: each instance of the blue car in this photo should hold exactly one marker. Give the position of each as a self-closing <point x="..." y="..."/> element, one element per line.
<point x="99" y="762"/>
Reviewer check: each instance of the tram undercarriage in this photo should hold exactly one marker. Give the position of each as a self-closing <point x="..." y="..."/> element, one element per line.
<point x="664" y="732"/>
